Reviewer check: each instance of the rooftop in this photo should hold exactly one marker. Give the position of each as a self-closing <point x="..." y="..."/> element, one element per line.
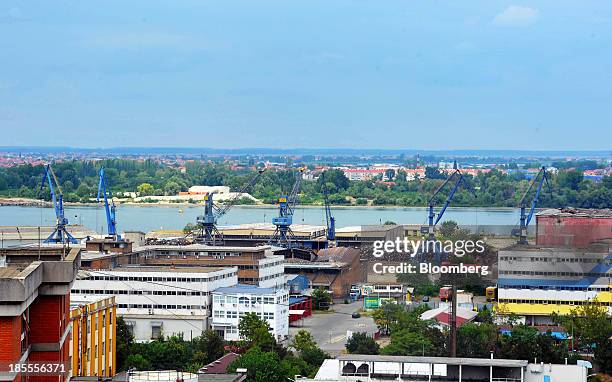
<point x="246" y="289"/>
<point x="577" y="212"/>
<point x="159" y="269"/>
<point x="436" y="360"/>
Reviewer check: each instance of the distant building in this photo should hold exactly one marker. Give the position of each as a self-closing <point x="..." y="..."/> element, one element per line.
<point x="364" y="174"/>
<point x="156" y="301"/>
<point x="93" y="342"/>
<point x="442" y="315"/>
<point x="232" y="303"/>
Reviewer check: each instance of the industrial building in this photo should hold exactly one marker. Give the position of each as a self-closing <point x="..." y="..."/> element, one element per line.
<point x="232" y="303"/>
<point x="256" y="265"/>
<point x="93" y="342"/>
<point x="35" y="309"/>
<point x="334" y="269"/>
<point x="573" y="227"/>
<point x="376" y="368"/>
<point x="535" y="282"/>
<point x="158" y="300"/>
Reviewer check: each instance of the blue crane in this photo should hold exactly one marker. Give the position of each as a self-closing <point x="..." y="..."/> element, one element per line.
<point x="432" y="219"/>
<point x="526" y="218"/>
<point x="207" y="223"/>
<point x="111" y="220"/>
<point x="283" y="236"/>
<point x="329" y="219"/>
<point x="60" y="234"/>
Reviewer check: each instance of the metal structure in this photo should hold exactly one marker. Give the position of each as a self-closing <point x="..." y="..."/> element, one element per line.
<point x="432" y="219"/>
<point x="283" y="235"/>
<point x="60" y="234"/>
<point x="207" y="223"/>
<point x="330" y="221"/>
<point x="526" y="218"/>
<point x="111" y="220"/>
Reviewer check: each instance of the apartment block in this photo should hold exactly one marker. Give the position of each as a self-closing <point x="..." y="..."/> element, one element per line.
<point x="93" y="341"/>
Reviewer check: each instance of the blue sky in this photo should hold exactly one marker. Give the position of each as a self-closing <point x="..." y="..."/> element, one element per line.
<point x="348" y="74"/>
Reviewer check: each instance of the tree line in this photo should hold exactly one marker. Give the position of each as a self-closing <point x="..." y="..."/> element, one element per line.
<point x="79" y="181"/>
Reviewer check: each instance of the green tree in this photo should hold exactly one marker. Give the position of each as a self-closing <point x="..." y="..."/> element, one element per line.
<point x="303" y="340"/>
<point x="261" y="366"/>
<point x="145" y="189"/>
<point x="361" y="343"/>
<point x="321" y="299"/>
<point x="256" y="332"/>
<point x="123" y="343"/>
<point x="406" y="342"/>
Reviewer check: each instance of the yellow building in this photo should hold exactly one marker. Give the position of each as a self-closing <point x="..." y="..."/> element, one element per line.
<point x="92" y="344"/>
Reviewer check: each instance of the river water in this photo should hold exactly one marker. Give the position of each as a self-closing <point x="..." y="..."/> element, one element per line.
<point x="148" y="218"/>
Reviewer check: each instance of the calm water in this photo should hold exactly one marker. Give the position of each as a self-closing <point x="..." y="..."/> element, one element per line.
<point x="148" y="218"/>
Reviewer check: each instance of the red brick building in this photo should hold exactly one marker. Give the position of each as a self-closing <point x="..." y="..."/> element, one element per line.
<point x="35" y="312"/>
<point x="573" y="227"/>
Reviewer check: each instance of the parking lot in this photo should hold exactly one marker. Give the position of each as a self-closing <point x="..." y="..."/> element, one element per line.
<point x="329" y="329"/>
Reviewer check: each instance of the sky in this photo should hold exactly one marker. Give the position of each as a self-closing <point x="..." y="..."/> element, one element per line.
<point x="307" y="74"/>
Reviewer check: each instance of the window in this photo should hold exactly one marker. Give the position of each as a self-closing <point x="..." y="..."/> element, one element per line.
<point x="156" y="330"/>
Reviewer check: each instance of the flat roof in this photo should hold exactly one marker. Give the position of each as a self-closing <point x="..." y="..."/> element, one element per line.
<point x="246" y="289"/>
<point x="10" y="272"/>
<point x="168" y="269"/>
<point x="436" y="360"/>
<point x="201" y="247"/>
<point x="296" y="228"/>
<point x="577" y="212"/>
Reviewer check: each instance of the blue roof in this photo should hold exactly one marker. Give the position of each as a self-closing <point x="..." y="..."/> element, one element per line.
<point x="584" y="282"/>
<point x="245" y="289"/>
<point x="296" y="299"/>
<point x="557" y="335"/>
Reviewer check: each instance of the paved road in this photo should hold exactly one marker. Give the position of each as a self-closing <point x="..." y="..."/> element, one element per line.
<point x="329" y="329"/>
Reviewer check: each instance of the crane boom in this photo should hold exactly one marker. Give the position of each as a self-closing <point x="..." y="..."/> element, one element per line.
<point x="111" y="220"/>
<point x="60" y="234"/>
<point x="525" y="218"/>
<point x="432" y="219"/>
<point x="207" y="223"/>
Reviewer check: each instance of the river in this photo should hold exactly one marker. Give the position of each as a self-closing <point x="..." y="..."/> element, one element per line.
<point x="155" y="217"/>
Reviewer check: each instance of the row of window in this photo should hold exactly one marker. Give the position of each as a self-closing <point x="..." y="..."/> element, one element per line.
<point x="246" y="301"/>
<point x="191" y="279"/>
<point x="197" y="254"/>
<point x="558" y="287"/>
<point x="551" y="302"/>
<point x="552" y="259"/>
<point x="235" y="314"/>
<point x="140" y="292"/>
<point x="571" y="274"/>
<point x="160" y="306"/>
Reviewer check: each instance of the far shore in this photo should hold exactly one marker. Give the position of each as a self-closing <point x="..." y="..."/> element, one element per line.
<point x="26" y="202"/>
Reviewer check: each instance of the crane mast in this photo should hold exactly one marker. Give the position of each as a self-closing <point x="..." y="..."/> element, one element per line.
<point x="283" y="235"/>
<point x="526" y="218"/>
<point x="431" y="218"/>
<point x="329" y="219"/>
<point x="111" y="220"/>
<point x="207" y="223"/>
<point x="60" y="234"/>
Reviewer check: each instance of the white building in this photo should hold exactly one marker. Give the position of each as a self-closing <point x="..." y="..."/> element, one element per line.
<point x="375" y="368"/>
<point x="231" y="304"/>
<point x="157" y="301"/>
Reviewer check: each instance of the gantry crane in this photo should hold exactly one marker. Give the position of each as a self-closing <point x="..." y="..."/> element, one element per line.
<point x="431" y="218"/>
<point x="283" y="235"/>
<point x="207" y="223"/>
<point x="60" y="234"/>
<point x="526" y="218"/>
<point x="111" y="220"/>
<point x="329" y="219"/>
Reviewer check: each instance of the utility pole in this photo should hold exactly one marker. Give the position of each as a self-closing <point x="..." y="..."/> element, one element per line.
<point x="453" y="322"/>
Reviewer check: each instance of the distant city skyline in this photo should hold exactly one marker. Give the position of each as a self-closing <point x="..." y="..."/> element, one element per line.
<point x="346" y="74"/>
